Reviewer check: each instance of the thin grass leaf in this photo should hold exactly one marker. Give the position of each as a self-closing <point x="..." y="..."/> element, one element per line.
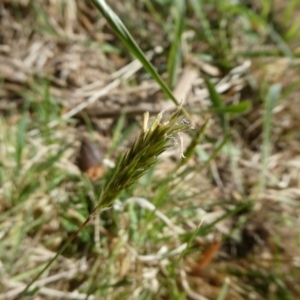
<point x="224" y="289"/>
<point x="293" y="33"/>
<point x="190" y="150"/>
<point x="174" y="59"/>
<point x="170" y="177"/>
<point x="255" y="18"/>
<point x="124" y="35"/>
<point x="20" y="142"/>
<point x="286" y="295"/>
<point x="40" y="167"/>
<point x="88" y="123"/>
<point x="289" y="9"/>
<point x="207" y="229"/>
<point x="233" y="153"/>
<point x="279" y="40"/>
<point x="156" y="16"/>
<point x="28" y="189"/>
<point x="117" y="133"/>
<point x="272" y="97"/>
<point x="41" y="15"/>
<point x="266" y="8"/>
<point x="217" y="103"/>
<point x="186" y="250"/>
<point x="262" y="53"/>
<point x="198" y="9"/>
<point x="199" y="169"/>
<point x="241" y="107"/>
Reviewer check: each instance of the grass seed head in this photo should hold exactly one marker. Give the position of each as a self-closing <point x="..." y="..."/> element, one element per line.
<point x="144" y="153"/>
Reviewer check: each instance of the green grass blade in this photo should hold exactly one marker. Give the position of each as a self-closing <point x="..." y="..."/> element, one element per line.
<point x="43" y="18"/>
<point x="198" y="9"/>
<point x="272" y="97"/>
<point x="174" y="59"/>
<point x="224" y="290"/>
<point x="20" y="142"/>
<point x="217" y="103"/>
<point x="241" y="107"/>
<point x="199" y="169"/>
<point x="261" y="22"/>
<point x="154" y="13"/>
<point x="117" y="133"/>
<point x="205" y="230"/>
<point x="52" y="159"/>
<point x="124" y="35"/>
<point x="190" y="150"/>
<point x="266" y="8"/>
<point x="281" y="43"/>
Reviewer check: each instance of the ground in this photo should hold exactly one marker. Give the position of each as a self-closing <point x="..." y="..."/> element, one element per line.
<point x="220" y="223"/>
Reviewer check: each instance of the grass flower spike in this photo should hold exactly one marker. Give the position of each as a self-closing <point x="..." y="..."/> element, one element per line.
<point x="143" y="154"/>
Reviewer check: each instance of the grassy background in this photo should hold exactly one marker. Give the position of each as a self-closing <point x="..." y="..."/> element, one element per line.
<point x="221" y="223"/>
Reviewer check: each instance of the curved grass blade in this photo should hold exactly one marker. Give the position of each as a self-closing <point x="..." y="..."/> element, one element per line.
<point x="124" y="35"/>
